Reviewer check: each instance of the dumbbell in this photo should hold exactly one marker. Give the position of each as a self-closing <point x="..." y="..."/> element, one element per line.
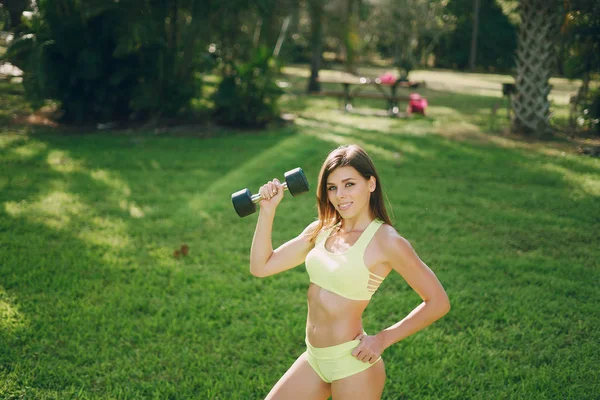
<point x="244" y="202"/>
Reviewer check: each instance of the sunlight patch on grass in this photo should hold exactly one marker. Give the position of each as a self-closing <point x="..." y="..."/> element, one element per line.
<point x="340" y="129"/>
<point x="373" y="150"/>
<point x="60" y="161"/>
<point x="558" y="149"/>
<point x="439" y="111"/>
<point x="230" y="182"/>
<point x="7" y="140"/>
<point x="111" y="181"/>
<point x="351" y="123"/>
<point x="30" y="149"/>
<point x="344" y="134"/>
<point x="418" y="127"/>
<point x="366" y="122"/>
<point x="10" y="317"/>
<point x="334" y="138"/>
<point x="588" y="184"/>
<point x="106" y="232"/>
<point x="450" y="81"/>
<point x="134" y="210"/>
<point x="410" y="148"/>
<point x="457" y="130"/>
<point x="55" y="210"/>
<point x="105" y="240"/>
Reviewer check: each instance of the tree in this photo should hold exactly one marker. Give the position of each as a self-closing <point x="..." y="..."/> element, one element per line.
<point x="411" y="28"/>
<point x="534" y="58"/>
<point x="316" y="11"/>
<point x="580" y="47"/>
<point x="494" y="39"/>
<point x="581" y="34"/>
<point x="473" y="56"/>
<point x="112" y="60"/>
<point x="351" y="38"/>
<point x="15" y="10"/>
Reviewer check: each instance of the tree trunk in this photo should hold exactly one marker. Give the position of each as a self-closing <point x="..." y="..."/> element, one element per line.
<point x="535" y="62"/>
<point x="351" y="36"/>
<point x="316" y="43"/>
<point x="15" y="11"/>
<point x="474" y="34"/>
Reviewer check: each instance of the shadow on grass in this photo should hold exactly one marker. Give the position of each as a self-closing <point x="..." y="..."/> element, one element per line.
<point x="512" y="171"/>
<point x="99" y="304"/>
<point x="12" y="103"/>
<point x="489" y="114"/>
<point x="102" y="306"/>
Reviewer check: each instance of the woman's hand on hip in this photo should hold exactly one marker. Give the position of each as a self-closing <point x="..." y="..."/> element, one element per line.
<point x="369" y="349"/>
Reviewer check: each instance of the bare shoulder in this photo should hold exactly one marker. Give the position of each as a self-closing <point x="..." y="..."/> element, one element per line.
<point x="313" y="225"/>
<point x="392" y="244"/>
<point x="309" y="230"/>
<point x="387" y="234"/>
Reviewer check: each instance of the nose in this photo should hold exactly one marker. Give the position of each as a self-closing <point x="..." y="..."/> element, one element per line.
<point x="340" y="194"/>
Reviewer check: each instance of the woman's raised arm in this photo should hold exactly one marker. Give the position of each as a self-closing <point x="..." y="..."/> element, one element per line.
<point x="266" y="262"/>
<point x="263" y="260"/>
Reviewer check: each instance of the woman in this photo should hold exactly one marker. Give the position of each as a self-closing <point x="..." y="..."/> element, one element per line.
<point x="348" y="251"/>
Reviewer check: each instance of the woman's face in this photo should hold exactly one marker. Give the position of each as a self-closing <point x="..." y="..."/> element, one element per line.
<point x="348" y="191"/>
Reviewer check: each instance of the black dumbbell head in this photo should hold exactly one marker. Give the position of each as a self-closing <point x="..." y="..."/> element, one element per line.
<point x="296" y="181"/>
<point x="242" y="202"/>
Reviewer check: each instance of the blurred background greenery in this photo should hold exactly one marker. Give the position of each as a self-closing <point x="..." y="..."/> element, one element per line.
<point x="126" y="125"/>
<point x="136" y="60"/>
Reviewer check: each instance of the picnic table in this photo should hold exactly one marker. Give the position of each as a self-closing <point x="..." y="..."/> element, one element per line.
<point x="353" y="88"/>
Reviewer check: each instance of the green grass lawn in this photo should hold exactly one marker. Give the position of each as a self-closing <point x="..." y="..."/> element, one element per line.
<point x="93" y="304"/>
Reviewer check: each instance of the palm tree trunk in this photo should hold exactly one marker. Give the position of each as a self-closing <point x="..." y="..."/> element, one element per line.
<point x="535" y="63"/>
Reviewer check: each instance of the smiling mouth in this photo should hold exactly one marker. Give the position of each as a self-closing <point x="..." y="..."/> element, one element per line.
<point x="344" y="206"/>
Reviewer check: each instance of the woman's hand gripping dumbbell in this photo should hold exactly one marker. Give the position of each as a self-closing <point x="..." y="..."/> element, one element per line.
<point x="271" y="193"/>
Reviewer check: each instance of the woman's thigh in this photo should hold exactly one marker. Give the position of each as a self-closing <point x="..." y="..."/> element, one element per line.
<point x="365" y="385"/>
<point x="300" y="382"/>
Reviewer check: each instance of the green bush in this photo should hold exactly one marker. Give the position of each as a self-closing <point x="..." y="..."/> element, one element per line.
<point x="590" y="116"/>
<point x="496" y="44"/>
<point x="110" y="60"/>
<point x="69" y="59"/>
<point x="248" y="93"/>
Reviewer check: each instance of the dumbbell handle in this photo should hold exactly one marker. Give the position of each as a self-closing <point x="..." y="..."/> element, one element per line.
<point x="258" y="197"/>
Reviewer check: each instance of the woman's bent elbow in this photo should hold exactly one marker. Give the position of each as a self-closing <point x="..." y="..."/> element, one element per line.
<point x="445" y="307"/>
<point x="441" y="305"/>
<point x="256" y="272"/>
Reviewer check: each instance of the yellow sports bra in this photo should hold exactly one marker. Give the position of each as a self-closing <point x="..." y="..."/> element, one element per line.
<point x="344" y="273"/>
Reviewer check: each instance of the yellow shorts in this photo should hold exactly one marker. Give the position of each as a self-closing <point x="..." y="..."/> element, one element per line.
<point x="335" y="362"/>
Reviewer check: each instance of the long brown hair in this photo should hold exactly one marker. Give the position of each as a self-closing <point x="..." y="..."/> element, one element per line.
<point x="354" y="156"/>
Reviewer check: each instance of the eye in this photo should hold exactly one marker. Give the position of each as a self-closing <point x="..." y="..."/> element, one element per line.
<point x="334" y="187"/>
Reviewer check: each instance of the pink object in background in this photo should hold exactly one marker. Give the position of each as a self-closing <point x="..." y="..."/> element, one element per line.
<point x="416" y="104"/>
<point x="388" y="78"/>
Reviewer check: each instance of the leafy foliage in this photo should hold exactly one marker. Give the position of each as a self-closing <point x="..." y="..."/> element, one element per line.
<point x="247" y="95"/>
<point x="587" y="112"/>
<point x="10" y="14"/>
<point x="410" y="29"/>
<point x="111" y="60"/>
<point x="581" y="35"/>
<point x="68" y="57"/>
<point x="497" y="39"/>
